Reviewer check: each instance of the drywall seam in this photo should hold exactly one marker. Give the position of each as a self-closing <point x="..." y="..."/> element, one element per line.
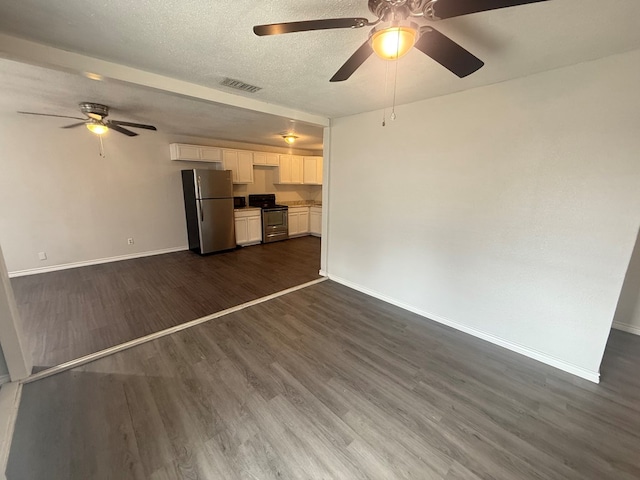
<point x="514" y="347"/>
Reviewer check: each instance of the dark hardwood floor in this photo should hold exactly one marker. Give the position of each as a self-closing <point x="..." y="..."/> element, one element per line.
<point x="327" y="383"/>
<point x="71" y="313"/>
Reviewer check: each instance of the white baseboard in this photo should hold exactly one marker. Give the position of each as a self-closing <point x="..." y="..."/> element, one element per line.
<point x="98" y="261"/>
<point x="626" y="328"/>
<point x="527" y="352"/>
<point x="322" y="273"/>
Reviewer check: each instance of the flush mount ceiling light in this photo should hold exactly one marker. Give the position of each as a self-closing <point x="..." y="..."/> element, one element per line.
<point x="290" y="138"/>
<point x="393" y="41"/>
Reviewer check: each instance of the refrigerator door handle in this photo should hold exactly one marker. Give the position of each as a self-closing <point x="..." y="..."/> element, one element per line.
<point x="201" y="211"/>
<point x="199" y="187"/>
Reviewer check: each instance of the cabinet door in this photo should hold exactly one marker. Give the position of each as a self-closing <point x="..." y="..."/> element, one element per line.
<point x="315" y="222"/>
<point x="294" y="223"/>
<point x="185" y="152"/>
<point x="210" y="154"/>
<point x="245" y="167"/>
<point x="259" y="158"/>
<point x="303" y="223"/>
<point x="272" y="159"/>
<point x="285" y="169"/>
<point x="319" y="170"/>
<point x="230" y="162"/>
<point x="296" y="169"/>
<point x="242" y="231"/>
<point x="312" y="170"/>
<point x="255" y="228"/>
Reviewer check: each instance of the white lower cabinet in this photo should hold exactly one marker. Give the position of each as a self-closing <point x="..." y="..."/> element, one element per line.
<point x="248" y="226"/>
<point x="315" y="221"/>
<point x="298" y="221"/>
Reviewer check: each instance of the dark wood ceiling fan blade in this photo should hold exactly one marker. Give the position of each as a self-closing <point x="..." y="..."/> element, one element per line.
<point x="447" y="52"/>
<point x="307" y="25"/>
<point x="455" y="8"/>
<point x="130" y="124"/>
<point x="118" y="128"/>
<point x="351" y="65"/>
<point x="50" y="115"/>
<point x="74" y="125"/>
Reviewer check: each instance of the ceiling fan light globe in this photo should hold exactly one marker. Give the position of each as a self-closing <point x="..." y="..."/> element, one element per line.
<point x="97" y="128"/>
<point x="289" y="139"/>
<point x="393" y="42"/>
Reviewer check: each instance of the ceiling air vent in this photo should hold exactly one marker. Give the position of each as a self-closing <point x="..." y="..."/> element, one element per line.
<point x="238" y="85"/>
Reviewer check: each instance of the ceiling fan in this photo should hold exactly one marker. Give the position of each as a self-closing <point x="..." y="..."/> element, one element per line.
<point x="394" y="33"/>
<point x="95" y="120"/>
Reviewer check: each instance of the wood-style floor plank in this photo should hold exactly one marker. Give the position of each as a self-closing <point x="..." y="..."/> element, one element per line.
<point x="71" y="313"/>
<point x="327" y="383"/>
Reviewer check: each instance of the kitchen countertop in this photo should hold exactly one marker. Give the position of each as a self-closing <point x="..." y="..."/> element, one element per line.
<point x="302" y="203"/>
<point x="244" y="209"/>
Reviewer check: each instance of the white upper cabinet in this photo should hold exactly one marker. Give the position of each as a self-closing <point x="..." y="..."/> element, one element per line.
<point x="266" y="158"/>
<point x="290" y="170"/>
<point x="240" y="162"/>
<point x="293" y="169"/>
<point x="312" y="170"/>
<point x="284" y="172"/>
<point x="195" y="153"/>
<point x="210" y="154"/>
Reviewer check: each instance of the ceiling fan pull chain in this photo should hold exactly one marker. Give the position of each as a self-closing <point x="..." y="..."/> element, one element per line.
<point x="101" y="147"/>
<point x="395" y="80"/>
<point x="386" y="83"/>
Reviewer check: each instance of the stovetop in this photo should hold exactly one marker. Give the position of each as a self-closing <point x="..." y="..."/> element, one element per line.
<point x="266" y="200"/>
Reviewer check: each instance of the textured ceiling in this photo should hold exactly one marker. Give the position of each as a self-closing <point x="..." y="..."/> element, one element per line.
<point x="36" y="89"/>
<point x="203" y="41"/>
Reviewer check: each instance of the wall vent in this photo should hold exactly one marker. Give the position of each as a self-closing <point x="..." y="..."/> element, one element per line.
<point x="238" y="85"/>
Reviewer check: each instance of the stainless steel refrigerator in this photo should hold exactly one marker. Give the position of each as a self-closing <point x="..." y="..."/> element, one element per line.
<point x="208" y="204"/>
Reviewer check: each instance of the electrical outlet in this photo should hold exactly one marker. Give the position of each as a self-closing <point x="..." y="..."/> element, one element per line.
<point x="42" y="255"/>
<point x="129" y="241"/>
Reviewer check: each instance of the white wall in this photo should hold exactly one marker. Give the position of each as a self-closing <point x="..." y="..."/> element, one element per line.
<point x="509" y="211"/>
<point x="58" y="196"/>
<point x="627" y="316"/>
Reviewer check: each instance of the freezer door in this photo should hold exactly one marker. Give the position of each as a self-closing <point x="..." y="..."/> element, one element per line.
<point x="217" y="225"/>
<point x="213" y="183"/>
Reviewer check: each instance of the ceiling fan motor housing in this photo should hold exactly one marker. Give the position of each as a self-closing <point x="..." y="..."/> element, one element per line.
<point x="389" y="10"/>
<point x="96" y="111"/>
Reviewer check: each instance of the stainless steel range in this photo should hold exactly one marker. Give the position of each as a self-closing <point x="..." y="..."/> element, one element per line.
<point x="275" y="218"/>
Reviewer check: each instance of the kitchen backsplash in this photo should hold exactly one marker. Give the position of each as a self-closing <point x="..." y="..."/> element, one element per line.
<point x="264" y="182"/>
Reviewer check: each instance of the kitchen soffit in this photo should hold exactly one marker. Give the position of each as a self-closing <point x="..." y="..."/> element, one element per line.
<point x="203" y="42"/>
